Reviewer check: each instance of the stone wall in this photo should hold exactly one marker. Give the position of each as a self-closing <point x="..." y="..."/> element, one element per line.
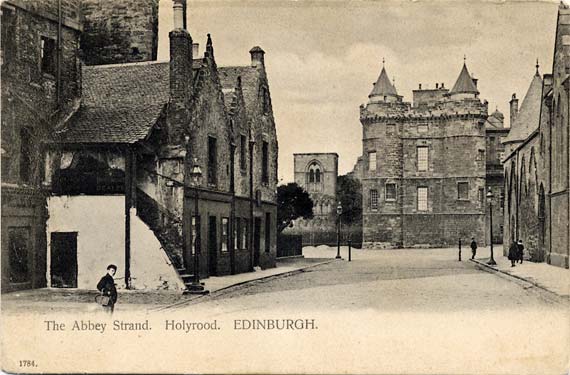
<point x="119" y="31"/>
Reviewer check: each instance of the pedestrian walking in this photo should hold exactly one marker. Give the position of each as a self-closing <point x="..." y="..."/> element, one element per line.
<point x="513" y="253"/>
<point x="473" y="248"/>
<point x="108" y="290"/>
<point x="520" y="251"/>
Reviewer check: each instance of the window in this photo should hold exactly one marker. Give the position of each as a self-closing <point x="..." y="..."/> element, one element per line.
<point x="195" y="233"/>
<point x="373" y="199"/>
<point x="237" y="238"/>
<point x="463" y="190"/>
<point x="19" y="245"/>
<point x="265" y="163"/>
<point x="25" y="155"/>
<point x="212" y="161"/>
<point x="390" y="192"/>
<point x="267" y="231"/>
<point x="482" y="197"/>
<point x="422" y="198"/>
<point x="47" y="55"/>
<point x="422" y="128"/>
<point x="311" y="176"/>
<point x="422" y="152"/>
<point x="318" y="176"/>
<point x="481" y="155"/>
<point x="225" y="230"/>
<point x="244" y="231"/>
<point x="242" y="152"/>
<point x="372" y="161"/>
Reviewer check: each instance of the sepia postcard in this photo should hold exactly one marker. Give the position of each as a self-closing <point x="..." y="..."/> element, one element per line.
<point x="285" y="187"/>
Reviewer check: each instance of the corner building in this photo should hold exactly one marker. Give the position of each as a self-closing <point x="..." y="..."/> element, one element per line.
<point x="423" y="165"/>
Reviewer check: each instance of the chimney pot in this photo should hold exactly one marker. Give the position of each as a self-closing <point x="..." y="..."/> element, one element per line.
<point x="437" y="85"/>
<point x="178" y="12"/>
<point x="420" y="87"/>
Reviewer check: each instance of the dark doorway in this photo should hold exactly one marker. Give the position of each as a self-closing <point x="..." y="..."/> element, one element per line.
<point x="64" y="260"/>
<point x="212" y="245"/>
<point x="256" y="241"/>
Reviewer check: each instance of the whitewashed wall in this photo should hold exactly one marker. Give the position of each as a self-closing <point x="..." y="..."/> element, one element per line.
<point x="100" y="225"/>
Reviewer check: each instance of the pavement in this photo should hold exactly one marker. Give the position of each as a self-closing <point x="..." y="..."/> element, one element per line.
<point x="47" y="299"/>
<point x="555" y="280"/>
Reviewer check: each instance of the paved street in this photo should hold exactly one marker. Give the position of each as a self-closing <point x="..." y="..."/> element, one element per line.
<point x="387" y="311"/>
<point x="429" y="280"/>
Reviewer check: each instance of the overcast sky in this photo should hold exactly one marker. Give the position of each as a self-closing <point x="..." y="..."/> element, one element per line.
<point x="322" y="57"/>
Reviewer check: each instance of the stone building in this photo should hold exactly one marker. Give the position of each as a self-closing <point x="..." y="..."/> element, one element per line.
<point x="40" y="88"/>
<point x="536" y="165"/>
<point x="423" y="165"/>
<point x="495" y="152"/>
<point x="317" y="173"/>
<point x="119" y="31"/>
<point x="117" y="155"/>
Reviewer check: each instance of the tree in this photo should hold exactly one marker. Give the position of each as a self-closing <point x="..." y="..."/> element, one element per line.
<point x="292" y="202"/>
<point x="349" y="194"/>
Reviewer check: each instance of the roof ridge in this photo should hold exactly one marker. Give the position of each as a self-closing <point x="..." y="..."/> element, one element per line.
<point x="140" y="63"/>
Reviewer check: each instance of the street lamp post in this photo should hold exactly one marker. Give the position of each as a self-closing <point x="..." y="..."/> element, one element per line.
<point x="490" y="196"/>
<point x="196" y="287"/>
<point x="338" y="212"/>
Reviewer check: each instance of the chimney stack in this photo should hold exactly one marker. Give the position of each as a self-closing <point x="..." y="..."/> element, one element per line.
<point x="180" y="57"/>
<point x="195" y="50"/>
<point x="514" y="109"/>
<point x="257" y="57"/>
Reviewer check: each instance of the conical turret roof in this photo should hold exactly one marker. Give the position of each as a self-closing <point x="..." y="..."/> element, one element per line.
<point x="464" y="83"/>
<point x="528" y="117"/>
<point x="383" y="86"/>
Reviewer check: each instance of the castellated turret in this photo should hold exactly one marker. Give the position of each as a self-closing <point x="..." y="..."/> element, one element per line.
<point x="423" y="164"/>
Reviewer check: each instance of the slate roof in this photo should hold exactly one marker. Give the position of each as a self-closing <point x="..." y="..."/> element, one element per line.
<point x="383" y="86"/>
<point x="495" y="120"/>
<point x="249" y="82"/>
<point x="464" y="83"/>
<point x="528" y="117"/>
<point x="120" y="103"/>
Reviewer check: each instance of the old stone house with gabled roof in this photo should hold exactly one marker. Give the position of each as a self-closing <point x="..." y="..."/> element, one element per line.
<point x="120" y="171"/>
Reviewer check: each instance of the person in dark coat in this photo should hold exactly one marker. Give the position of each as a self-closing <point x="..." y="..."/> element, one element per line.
<point x="520" y="251"/>
<point x="473" y="248"/>
<point x="513" y="253"/>
<point x="107" y="287"/>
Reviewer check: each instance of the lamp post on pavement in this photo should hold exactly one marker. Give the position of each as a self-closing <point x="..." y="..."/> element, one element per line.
<point x="490" y="196"/>
<point x="195" y="176"/>
<point x="338" y="213"/>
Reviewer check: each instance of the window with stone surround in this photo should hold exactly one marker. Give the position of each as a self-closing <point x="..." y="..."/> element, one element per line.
<point x="225" y="237"/>
<point x="237" y="233"/>
<point x="374" y="199"/>
<point x="390" y="192"/>
<point x="265" y="163"/>
<point x="463" y="190"/>
<point x="25" y="154"/>
<point x="372" y="161"/>
<point x="480" y="155"/>
<point x="422" y="198"/>
<point x="482" y="197"/>
<point x="242" y="152"/>
<point x="47" y="55"/>
<point x="244" y="231"/>
<point x="212" y="161"/>
<point x="422" y="158"/>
